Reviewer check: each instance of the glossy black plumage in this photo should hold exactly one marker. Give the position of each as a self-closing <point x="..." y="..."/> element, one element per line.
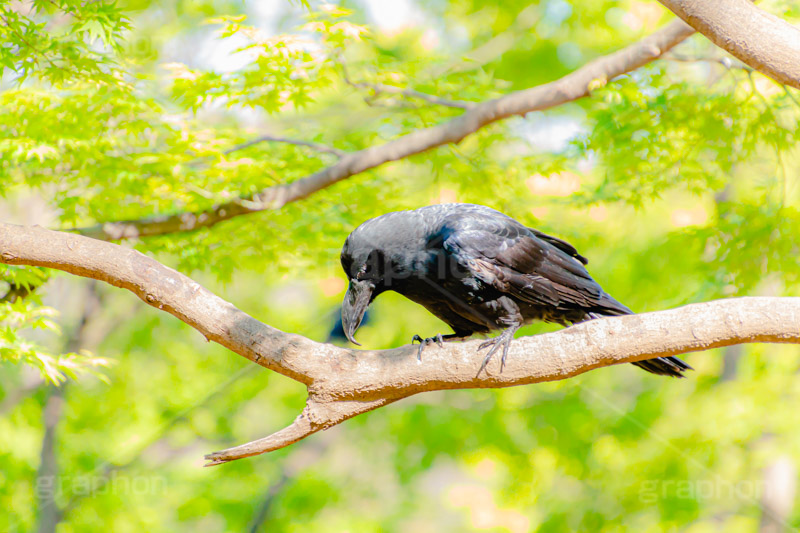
<point x="478" y="270"/>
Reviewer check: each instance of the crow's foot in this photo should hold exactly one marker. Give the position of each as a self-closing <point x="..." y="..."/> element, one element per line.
<point x="501" y="341"/>
<point x="438" y="339"/>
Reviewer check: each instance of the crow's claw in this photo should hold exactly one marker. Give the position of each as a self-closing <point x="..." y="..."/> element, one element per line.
<point x="501" y="341"/>
<point x="438" y="339"/>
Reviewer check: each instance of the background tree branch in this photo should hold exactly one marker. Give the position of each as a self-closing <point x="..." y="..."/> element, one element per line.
<point x="49" y="514"/>
<point x="379" y="88"/>
<point x="573" y="86"/>
<point x="759" y="39"/>
<point x="343" y="383"/>
<point x="279" y="139"/>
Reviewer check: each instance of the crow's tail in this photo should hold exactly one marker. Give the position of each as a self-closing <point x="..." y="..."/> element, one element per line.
<point x="663" y="366"/>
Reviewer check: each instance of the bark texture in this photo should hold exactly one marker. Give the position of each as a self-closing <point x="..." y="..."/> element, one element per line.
<point x="343" y="383"/>
<point x="757" y="38"/>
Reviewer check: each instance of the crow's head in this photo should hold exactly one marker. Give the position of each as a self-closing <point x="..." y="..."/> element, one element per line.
<point x="366" y="268"/>
<point x="379" y="255"/>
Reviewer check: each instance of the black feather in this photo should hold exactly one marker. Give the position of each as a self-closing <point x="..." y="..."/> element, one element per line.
<point x="480" y="270"/>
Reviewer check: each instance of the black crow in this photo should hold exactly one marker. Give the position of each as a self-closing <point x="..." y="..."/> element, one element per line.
<point x="478" y="270"/>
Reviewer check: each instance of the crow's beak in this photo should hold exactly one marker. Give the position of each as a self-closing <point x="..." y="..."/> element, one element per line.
<point x="355" y="304"/>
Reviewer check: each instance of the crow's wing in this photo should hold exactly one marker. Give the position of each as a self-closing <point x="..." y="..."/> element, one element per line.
<point x="562" y="245"/>
<point x="528" y="265"/>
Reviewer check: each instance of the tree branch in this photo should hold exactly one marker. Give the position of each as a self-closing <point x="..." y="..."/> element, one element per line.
<point x="759" y="39"/>
<point x="378" y="88"/>
<point x="49" y="514"/>
<point x="571" y="87"/>
<point x="343" y="383"/>
<point x="293" y="465"/>
<point x="275" y="138"/>
<point x="725" y="61"/>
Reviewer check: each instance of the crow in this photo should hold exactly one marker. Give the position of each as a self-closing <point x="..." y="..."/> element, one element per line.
<point x="337" y="334"/>
<point x="478" y="270"/>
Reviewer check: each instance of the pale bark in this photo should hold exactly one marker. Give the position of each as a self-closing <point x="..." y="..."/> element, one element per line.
<point x="343" y="383"/>
<point x="759" y="39"/>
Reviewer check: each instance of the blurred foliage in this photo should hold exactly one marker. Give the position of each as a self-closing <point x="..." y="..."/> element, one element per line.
<point x="60" y="41"/>
<point x="678" y="181"/>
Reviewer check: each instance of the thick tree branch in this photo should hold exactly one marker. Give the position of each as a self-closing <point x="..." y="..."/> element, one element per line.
<point x="343" y="383"/>
<point x="571" y="87"/>
<point x="759" y="39"/>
